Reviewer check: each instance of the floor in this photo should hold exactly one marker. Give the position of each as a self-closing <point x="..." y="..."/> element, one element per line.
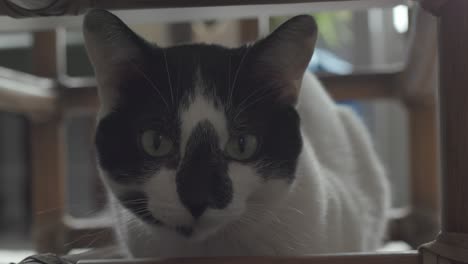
<point x="14" y="247"/>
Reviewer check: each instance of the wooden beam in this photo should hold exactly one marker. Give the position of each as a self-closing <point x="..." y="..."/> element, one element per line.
<point x="423" y="222"/>
<point x="88" y="232"/>
<point x="47" y="169"/>
<point x="434" y="6"/>
<point x="29" y="8"/>
<point x="199" y="3"/>
<point x="27" y="94"/>
<point x="156" y="14"/>
<point x="424" y="167"/>
<point x="361" y="86"/>
<point x="453" y="113"/>
<point x="399" y="258"/>
<point x="48" y="159"/>
<point x="417" y="82"/>
<point x="79" y="96"/>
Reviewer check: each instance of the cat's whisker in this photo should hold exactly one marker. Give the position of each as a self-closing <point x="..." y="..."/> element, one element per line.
<point x="178" y="86"/>
<point x="136" y="201"/>
<point x="49" y="210"/>
<point x="168" y="77"/>
<point x="296" y="210"/>
<point x="280" y="233"/>
<point x="153" y="85"/>
<point x="259" y="99"/>
<point x="71" y="207"/>
<point x="97" y="235"/>
<point x="96" y="238"/>
<point x="254" y="92"/>
<point x="229" y="76"/>
<point x="236" y="75"/>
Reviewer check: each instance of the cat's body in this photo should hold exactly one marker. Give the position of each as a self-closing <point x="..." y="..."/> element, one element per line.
<point x="228" y="159"/>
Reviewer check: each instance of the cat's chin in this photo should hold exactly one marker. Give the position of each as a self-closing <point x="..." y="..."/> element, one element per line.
<point x="195" y="233"/>
<point x="198" y="231"/>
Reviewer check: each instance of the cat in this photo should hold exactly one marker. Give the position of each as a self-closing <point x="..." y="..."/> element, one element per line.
<point x="214" y="151"/>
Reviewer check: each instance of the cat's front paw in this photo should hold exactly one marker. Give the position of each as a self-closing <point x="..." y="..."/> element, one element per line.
<point x="45" y="259"/>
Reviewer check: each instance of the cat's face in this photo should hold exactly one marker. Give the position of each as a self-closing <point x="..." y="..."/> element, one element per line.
<point x="192" y="138"/>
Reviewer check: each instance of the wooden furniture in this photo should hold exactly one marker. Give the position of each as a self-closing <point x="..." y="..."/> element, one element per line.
<point x="46" y="101"/>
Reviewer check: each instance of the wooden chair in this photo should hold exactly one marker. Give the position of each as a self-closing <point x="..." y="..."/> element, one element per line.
<point x="46" y="102"/>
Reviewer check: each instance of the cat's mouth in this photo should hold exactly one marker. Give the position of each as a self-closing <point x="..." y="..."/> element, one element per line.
<point x="197" y="231"/>
<point x="185" y="231"/>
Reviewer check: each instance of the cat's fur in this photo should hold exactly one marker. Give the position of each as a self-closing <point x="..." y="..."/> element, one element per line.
<point x="314" y="186"/>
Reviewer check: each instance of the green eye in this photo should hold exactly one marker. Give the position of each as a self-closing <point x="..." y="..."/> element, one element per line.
<point x="242" y="147"/>
<point x="155" y="143"/>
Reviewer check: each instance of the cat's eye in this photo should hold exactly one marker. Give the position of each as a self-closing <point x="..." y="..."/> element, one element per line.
<point x="242" y="147"/>
<point x="155" y="143"/>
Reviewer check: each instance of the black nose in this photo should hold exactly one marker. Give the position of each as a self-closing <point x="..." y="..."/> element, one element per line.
<point x="197" y="209"/>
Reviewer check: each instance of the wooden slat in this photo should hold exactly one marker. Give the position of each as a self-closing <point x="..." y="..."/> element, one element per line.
<point x="26" y="94"/>
<point x="424" y="167"/>
<point x="418" y="81"/>
<point x="422" y="224"/>
<point x="48" y="159"/>
<point x="71" y="7"/>
<point x="79" y="96"/>
<point x="434" y="6"/>
<point x="361" y="86"/>
<point x="400" y="258"/>
<point x="123" y="4"/>
<point x="47" y="169"/>
<point x="453" y="107"/>
<point x="157" y="14"/>
<point x="89" y="237"/>
<point x="417" y="85"/>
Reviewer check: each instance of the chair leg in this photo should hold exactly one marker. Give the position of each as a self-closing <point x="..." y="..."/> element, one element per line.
<point x="453" y="113"/>
<point x="451" y="246"/>
<point x="422" y="224"/>
<point x="48" y="159"/>
<point x="48" y="152"/>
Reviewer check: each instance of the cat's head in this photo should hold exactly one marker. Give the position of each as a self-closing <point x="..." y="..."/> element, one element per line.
<point x="194" y="137"/>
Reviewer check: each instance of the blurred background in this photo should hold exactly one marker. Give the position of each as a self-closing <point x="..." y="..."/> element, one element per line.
<point x="350" y="42"/>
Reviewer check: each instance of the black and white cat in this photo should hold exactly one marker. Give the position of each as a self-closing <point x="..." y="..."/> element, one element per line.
<point x="212" y="151"/>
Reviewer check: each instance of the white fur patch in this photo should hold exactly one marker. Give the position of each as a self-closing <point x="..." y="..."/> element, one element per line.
<point x="163" y="200"/>
<point x="200" y="109"/>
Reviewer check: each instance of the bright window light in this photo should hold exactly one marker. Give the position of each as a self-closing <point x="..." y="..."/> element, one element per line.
<point x="400" y="18"/>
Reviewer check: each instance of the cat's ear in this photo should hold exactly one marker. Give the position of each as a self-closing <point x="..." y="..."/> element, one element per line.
<point x="112" y="48"/>
<point x="284" y="55"/>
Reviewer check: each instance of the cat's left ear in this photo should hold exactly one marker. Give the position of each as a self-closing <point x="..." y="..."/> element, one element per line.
<point x="284" y="55"/>
<point x="112" y="48"/>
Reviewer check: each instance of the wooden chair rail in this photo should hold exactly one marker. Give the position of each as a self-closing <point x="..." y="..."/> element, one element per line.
<point x="174" y="15"/>
<point x="25" y="8"/>
<point x="374" y="258"/>
<point x="26" y="94"/>
<point x="453" y="117"/>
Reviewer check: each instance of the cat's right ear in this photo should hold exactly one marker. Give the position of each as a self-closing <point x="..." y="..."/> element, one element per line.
<point x="112" y="48"/>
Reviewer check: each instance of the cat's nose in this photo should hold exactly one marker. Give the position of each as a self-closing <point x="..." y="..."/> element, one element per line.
<point x="197" y="209"/>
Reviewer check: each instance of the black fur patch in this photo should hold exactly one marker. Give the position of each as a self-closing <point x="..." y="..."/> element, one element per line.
<point x="202" y="180"/>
